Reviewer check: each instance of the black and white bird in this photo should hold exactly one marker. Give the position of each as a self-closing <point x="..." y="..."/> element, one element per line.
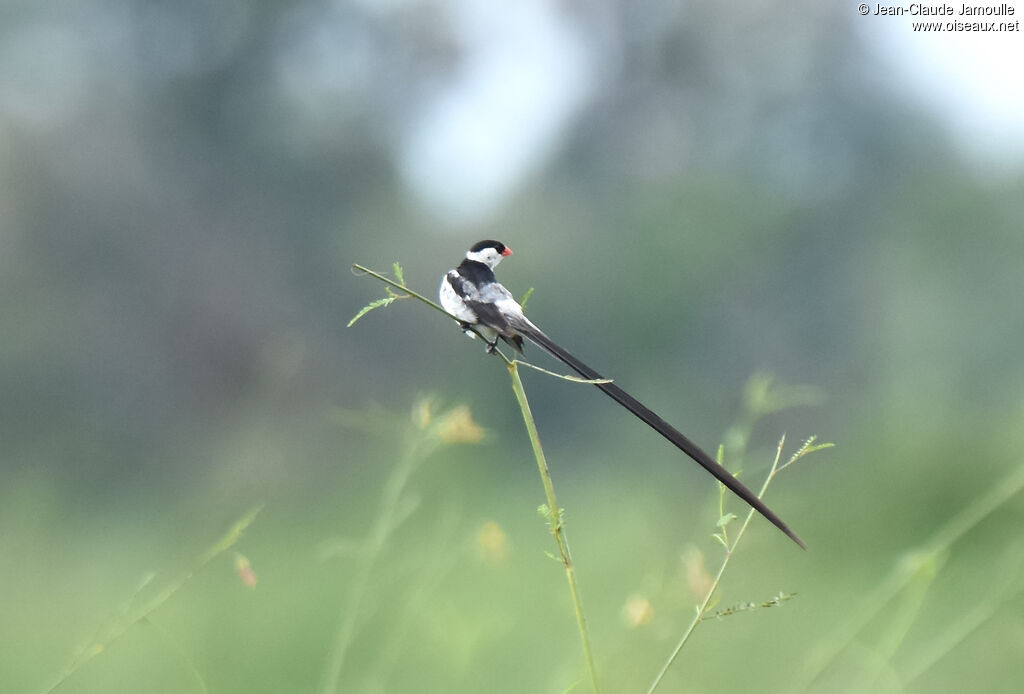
<point x="472" y="295"/>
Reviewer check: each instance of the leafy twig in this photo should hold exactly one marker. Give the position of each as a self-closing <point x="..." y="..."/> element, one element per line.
<point x="142" y="614"/>
<point x="556" y="513"/>
<point x="387" y="300"/>
<point x="748" y="606"/>
<point x="906" y="571"/>
<point x="392" y="297"/>
<point x="701" y="611"/>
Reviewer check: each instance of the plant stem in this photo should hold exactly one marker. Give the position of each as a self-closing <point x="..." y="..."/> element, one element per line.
<point x="702" y="608"/>
<point x="556" y="519"/>
<point x="829" y="649"/>
<point x="143" y="613"/>
<point x="417" y="449"/>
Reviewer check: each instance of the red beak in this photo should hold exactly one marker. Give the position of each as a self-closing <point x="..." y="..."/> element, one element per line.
<point x="507" y="251"/>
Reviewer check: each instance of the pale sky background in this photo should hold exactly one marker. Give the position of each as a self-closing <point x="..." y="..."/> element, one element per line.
<point x="974" y="82"/>
<point x="480" y="139"/>
<point x="528" y="75"/>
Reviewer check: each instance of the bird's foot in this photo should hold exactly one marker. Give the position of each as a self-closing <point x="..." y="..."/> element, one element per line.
<point x="467" y="329"/>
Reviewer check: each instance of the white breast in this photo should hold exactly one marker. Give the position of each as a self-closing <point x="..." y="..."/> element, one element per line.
<point x="452" y="302"/>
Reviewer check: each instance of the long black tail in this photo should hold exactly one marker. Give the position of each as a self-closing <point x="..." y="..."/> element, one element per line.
<point x="659" y="425"/>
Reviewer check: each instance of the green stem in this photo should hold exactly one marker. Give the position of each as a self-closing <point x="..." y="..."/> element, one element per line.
<point x="144" y="612"/>
<point x="415" y="295"/>
<point x="549" y="489"/>
<point x="402" y="288"/>
<point x="417" y="450"/>
<point x="702" y="608"/>
<point x="557" y="528"/>
<point x="903" y="573"/>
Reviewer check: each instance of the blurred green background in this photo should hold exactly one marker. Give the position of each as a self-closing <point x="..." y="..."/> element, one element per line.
<point x="697" y="193"/>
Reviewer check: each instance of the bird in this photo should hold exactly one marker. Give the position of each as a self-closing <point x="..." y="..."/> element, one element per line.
<point x="472" y="295"/>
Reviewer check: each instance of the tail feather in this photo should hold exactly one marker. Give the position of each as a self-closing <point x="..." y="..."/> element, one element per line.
<point x="680" y="441"/>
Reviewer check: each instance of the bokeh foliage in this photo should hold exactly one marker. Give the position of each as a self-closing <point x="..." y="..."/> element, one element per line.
<point x="183" y="187"/>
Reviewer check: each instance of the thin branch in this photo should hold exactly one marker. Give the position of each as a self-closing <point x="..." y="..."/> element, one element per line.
<point x="557" y="526"/>
<point x="844" y="633"/>
<point x="143" y="613"/>
<point x="565" y="377"/>
<point x="417" y="449"/>
<point x="409" y="293"/>
<point x="702" y="608"/>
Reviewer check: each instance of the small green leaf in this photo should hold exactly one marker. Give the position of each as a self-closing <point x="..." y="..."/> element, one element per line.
<point x="369" y="307"/>
<point x="749" y="606"/>
<point x="808" y="446"/>
<point x="726" y="519"/>
<point x="721" y="540"/>
<point x="399" y="275"/>
<point x="526" y="297"/>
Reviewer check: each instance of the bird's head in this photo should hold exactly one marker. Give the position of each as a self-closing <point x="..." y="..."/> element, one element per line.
<point x="489" y="253"/>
